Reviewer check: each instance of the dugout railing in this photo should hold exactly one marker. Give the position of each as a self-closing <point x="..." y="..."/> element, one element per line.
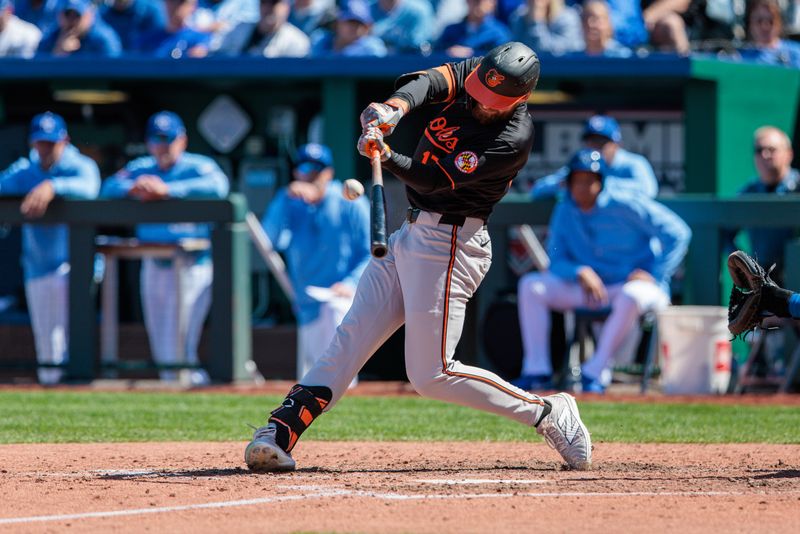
<point x="230" y="315"/>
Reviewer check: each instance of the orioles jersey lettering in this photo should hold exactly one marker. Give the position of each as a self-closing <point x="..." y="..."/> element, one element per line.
<point x="476" y="160"/>
<point x="443" y="134"/>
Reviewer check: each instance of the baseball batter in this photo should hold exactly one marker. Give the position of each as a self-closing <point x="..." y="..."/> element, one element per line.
<point x="478" y="135"/>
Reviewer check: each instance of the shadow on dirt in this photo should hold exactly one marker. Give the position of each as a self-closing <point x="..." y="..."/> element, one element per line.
<point x="189" y="473"/>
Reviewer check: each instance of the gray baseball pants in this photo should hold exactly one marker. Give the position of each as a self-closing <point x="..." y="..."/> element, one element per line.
<point x="425" y="280"/>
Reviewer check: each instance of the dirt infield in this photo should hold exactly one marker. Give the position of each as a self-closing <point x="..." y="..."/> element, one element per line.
<point x="399" y="487"/>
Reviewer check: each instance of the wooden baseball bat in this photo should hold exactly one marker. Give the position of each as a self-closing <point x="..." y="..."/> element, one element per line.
<point x="377" y="230"/>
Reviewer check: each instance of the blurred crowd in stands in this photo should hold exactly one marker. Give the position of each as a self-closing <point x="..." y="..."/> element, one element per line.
<point x="764" y="31"/>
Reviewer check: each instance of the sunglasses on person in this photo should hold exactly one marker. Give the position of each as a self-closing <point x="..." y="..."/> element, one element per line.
<point x="758" y="149"/>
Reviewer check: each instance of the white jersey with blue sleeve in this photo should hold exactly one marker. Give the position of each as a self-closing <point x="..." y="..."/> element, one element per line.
<point x="324" y="243"/>
<point x="614" y="238"/>
<point x="45" y="247"/>
<point x="193" y="176"/>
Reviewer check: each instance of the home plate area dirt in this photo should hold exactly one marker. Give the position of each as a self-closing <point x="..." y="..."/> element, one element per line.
<point x="399" y="487"/>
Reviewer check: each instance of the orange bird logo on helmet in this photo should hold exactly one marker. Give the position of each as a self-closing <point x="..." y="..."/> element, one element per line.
<point x="494" y="78"/>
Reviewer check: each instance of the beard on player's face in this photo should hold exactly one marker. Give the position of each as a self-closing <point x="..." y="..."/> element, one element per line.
<point x="487" y="115"/>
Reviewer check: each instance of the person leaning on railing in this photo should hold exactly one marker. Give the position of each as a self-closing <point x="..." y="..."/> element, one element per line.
<point x="171" y="172"/>
<point x="54" y="168"/>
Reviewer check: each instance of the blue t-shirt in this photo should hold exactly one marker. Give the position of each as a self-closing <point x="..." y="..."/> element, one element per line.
<point x="100" y="40"/>
<point x="559" y="36"/>
<point x="165" y="44"/>
<point x="406" y="28"/>
<point x="42" y="17"/>
<point x="368" y="45"/>
<point x="45" y="247"/>
<point x="768" y="243"/>
<point x="482" y="38"/>
<point x="787" y="54"/>
<point x="139" y="17"/>
<point x="628" y="22"/>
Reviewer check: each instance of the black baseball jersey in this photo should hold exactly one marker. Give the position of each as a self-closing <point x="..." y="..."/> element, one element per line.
<point x="460" y="166"/>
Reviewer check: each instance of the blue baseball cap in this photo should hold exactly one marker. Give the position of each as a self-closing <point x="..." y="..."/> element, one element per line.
<point x="356" y="10"/>
<point x="588" y="160"/>
<point x="48" y="126"/>
<point x="604" y="126"/>
<point x="164" y="126"/>
<point x="312" y="157"/>
<point x="80" y="6"/>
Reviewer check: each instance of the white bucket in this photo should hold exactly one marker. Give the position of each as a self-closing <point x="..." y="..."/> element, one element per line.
<point x="694" y="349"/>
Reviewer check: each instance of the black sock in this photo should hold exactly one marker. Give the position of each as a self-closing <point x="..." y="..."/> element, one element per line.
<point x="776" y="300"/>
<point x="546" y="409"/>
<point x="301" y="406"/>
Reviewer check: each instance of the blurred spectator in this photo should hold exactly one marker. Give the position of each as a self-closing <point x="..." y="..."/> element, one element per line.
<point x="447" y="12"/>
<point x="351" y="36"/>
<point x="772" y="154"/>
<point x="176" y="40"/>
<point x="326" y="242"/>
<point x="131" y="18"/>
<point x="54" y="168"/>
<point x="664" y="20"/>
<point x="40" y="13"/>
<point x="478" y="33"/>
<point x="547" y="26"/>
<point x="764" y="32"/>
<point x="17" y="37"/>
<point x="171" y="172"/>
<point x="310" y="15"/>
<point x="271" y="36"/>
<point x="601" y="257"/>
<point x="403" y="25"/>
<point x="626" y="171"/>
<point x="598" y="33"/>
<point x="791" y="17"/>
<point x="711" y="23"/>
<point x="505" y="8"/>
<point x="218" y="17"/>
<point x="627" y="21"/>
<point x="79" y="33"/>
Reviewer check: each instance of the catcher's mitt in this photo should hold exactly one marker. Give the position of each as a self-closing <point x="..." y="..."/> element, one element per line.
<point x="745" y="309"/>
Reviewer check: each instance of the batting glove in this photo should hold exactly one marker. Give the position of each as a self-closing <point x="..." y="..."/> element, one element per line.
<point x="372" y="140"/>
<point x="382" y="116"/>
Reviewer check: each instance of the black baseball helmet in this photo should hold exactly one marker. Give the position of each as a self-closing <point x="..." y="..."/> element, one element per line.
<point x="505" y="74"/>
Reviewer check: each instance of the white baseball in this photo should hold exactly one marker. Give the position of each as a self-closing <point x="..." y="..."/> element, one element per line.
<point x="352" y="189"/>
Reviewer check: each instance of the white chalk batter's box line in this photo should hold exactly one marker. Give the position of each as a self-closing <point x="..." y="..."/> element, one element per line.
<point x="332" y="493"/>
<point x="156" y="473"/>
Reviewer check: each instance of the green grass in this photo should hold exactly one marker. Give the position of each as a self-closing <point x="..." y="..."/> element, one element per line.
<point x="60" y="417"/>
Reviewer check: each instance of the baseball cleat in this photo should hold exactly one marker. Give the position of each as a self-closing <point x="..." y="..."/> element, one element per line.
<point x="564" y="431"/>
<point x="264" y="455"/>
